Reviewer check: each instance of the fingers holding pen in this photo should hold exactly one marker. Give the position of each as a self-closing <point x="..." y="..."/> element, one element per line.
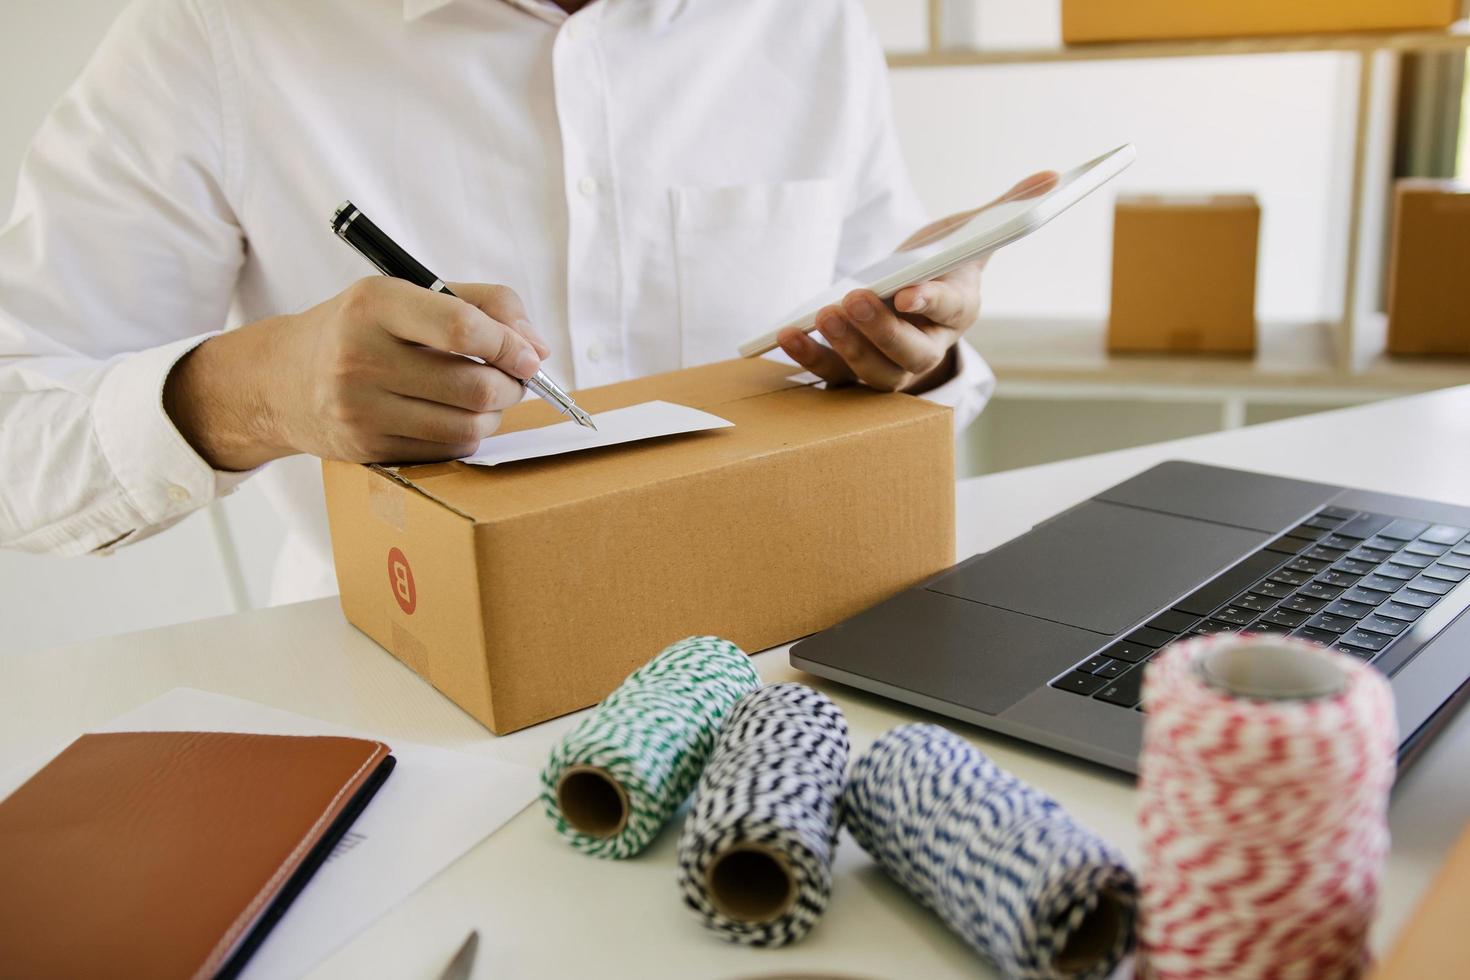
<point x="445" y="323"/>
<point x="449" y="379"/>
<point x="440" y="424"/>
<point x="503" y="304"/>
<point x="390" y="383"/>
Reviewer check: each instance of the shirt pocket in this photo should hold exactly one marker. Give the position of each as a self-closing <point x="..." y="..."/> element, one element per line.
<point x="746" y="255"/>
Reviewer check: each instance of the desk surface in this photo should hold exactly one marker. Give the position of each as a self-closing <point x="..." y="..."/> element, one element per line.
<point x="544" y="910"/>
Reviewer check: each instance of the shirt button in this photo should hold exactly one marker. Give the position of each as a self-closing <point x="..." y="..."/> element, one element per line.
<point x="594" y="352"/>
<point x="177" y="493"/>
<point x="588" y="186"/>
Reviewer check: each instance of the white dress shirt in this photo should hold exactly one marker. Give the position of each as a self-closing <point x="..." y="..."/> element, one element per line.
<point x="657" y="179"/>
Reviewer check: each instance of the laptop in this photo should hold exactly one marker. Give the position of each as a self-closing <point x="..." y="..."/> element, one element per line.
<point x="1047" y="637"/>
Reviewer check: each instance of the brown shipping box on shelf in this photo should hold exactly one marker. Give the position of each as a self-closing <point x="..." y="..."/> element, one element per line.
<point x="528" y="590"/>
<point x="1429" y="273"/>
<point x="1085" y="21"/>
<point x="1184" y="274"/>
<point x="1434" y="942"/>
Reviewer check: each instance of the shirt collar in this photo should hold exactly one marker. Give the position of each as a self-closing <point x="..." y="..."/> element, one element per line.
<point x="664" y="10"/>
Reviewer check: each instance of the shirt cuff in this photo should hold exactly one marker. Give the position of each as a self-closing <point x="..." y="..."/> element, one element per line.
<point x="162" y="475"/>
<point x="970" y="388"/>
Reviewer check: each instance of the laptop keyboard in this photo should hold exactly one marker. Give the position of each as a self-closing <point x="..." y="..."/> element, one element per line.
<point x="1345" y="579"/>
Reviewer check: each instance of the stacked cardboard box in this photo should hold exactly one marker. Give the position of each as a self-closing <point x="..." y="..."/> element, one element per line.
<point x="1429" y="272"/>
<point x="1085" y="21"/>
<point x="1184" y="274"/>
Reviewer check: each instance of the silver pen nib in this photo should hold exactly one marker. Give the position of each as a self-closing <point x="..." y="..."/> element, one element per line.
<point x="552" y="393"/>
<point x="582" y="418"/>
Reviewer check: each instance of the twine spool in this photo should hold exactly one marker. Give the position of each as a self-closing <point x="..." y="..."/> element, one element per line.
<point x="615" y="779"/>
<point x="755" y="856"/>
<point x="1263" y="786"/>
<point x="1000" y="862"/>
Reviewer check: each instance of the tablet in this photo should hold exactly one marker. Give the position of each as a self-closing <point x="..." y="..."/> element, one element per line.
<point x="990" y="228"/>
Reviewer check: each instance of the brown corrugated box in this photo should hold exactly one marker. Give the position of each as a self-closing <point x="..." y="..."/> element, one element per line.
<point x="1429" y="272"/>
<point x="1435" y="943"/>
<point x="1184" y="273"/>
<point x="1085" y="21"/>
<point x="531" y="589"/>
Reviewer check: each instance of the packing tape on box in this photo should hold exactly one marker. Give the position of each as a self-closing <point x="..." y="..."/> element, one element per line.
<point x="1263" y="788"/>
<point x="755" y="855"/>
<point x="1000" y="862"/>
<point x="615" y="779"/>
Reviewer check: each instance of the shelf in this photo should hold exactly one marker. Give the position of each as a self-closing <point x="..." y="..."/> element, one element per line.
<point x="1301" y="363"/>
<point x="1455" y="37"/>
<point x="1294" y="361"/>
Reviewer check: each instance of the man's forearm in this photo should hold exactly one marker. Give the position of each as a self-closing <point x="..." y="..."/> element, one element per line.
<point x="219" y="402"/>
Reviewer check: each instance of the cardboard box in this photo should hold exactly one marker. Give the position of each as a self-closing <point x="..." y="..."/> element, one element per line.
<point x="1085" y="21"/>
<point x="1434" y="941"/>
<point x="531" y="589"/>
<point x="1428" y="296"/>
<point x="1184" y="274"/>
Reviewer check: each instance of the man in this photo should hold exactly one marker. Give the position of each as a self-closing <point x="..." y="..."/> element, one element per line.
<point x="647" y="183"/>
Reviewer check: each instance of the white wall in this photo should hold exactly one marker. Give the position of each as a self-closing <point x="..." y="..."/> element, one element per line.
<point x="43" y="44"/>
<point x="1276" y="125"/>
<point x="1272" y="125"/>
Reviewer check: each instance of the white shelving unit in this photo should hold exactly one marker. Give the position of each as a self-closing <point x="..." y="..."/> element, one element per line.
<point x="1293" y="366"/>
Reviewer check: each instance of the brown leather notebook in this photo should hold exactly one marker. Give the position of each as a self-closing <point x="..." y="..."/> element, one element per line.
<point x="170" y="854"/>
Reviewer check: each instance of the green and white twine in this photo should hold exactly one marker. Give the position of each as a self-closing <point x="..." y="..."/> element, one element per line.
<point x="619" y="775"/>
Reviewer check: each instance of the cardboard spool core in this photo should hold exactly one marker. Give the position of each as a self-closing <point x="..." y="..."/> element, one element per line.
<point x="592" y="801"/>
<point x="1095" y="937"/>
<point x="1270" y="672"/>
<point x="751" y="883"/>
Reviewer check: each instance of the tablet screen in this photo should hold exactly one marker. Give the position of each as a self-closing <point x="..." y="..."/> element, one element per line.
<point x="985" y="228"/>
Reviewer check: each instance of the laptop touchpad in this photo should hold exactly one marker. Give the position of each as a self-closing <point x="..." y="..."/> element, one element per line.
<point x="974" y="656"/>
<point x="1100" y="566"/>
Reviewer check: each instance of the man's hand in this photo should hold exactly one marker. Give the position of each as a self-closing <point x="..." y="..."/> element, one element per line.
<point x="371" y="375"/>
<point x="908" y="344"/>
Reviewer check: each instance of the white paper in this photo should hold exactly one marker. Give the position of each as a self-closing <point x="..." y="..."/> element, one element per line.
<point x="434" y="806"/>
<point x="648" y="420"/>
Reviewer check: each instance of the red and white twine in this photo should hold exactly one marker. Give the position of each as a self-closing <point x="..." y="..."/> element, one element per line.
<point x="1263" y="821"/>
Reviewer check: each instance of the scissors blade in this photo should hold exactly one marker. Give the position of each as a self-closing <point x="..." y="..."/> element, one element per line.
<point x="463" y="963"/>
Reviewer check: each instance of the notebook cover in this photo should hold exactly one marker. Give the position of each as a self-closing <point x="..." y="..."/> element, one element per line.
<point x="170" y="854"/>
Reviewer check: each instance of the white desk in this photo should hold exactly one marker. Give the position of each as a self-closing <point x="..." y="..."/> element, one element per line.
<point x="544" y="910"/>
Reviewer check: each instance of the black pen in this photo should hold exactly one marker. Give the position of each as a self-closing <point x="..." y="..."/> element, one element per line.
<point x="373" y="244"/>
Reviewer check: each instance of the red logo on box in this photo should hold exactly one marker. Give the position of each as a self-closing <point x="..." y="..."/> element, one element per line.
<point x="400" y="580"/>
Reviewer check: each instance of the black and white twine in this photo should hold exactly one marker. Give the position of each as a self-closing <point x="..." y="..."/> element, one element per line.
<point x="1000" y="862"/>
<point x="755" y="856"/>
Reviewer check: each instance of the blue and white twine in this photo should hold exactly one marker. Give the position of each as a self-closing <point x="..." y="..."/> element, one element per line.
<point x="1001" y="863"/>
